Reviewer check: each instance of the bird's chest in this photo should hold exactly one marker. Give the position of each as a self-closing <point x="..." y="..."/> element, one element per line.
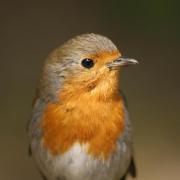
<point x="94" y="122"/>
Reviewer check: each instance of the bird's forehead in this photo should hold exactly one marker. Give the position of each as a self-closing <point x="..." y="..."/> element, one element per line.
<point x="94" y="46"/>
<point x="104" y="55"/>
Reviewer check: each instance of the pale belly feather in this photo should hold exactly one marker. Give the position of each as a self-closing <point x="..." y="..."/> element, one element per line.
<point x="76" y="164"/>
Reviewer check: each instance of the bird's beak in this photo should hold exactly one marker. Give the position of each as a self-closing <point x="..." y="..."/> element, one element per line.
<point x="121" y="62"/>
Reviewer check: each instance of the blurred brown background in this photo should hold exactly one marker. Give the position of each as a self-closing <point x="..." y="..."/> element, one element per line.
<point x="145" y="30"/>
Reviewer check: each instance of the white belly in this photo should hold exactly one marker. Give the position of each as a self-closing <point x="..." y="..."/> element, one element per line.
<point x="77" y="165"/>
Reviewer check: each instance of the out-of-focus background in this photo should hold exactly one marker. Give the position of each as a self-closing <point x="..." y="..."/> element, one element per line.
<point x="145" y="30"/>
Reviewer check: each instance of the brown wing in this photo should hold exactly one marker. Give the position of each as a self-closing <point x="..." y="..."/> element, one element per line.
<point x="131" y="170"/>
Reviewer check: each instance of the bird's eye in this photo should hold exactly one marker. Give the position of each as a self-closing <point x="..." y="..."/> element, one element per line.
<point x="87" y="63"/>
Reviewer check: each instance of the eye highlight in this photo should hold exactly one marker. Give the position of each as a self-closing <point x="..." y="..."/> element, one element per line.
<point x="87" y="63"/>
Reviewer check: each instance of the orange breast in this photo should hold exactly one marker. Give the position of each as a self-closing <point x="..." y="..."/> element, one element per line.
<point x="99" y="124"/>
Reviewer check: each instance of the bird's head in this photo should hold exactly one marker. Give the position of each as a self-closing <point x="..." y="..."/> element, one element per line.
<point x="84" y="72"/>
<point x="87" y="64"/>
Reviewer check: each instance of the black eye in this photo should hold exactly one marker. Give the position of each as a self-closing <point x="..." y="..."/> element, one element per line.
<point x="87" y="63"/>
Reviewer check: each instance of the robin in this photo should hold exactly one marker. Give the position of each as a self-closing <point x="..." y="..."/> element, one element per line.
<point x="80" y="129"/>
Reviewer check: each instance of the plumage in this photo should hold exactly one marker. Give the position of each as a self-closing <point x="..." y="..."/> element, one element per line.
<point x="80" y="128"/>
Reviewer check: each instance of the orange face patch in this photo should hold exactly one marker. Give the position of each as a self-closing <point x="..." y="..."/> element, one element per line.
<point x="94" y="117"/>
<point x="104" y="57"/>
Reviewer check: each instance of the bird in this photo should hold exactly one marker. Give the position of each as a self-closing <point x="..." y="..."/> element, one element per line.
<point x="80" y="127"/>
